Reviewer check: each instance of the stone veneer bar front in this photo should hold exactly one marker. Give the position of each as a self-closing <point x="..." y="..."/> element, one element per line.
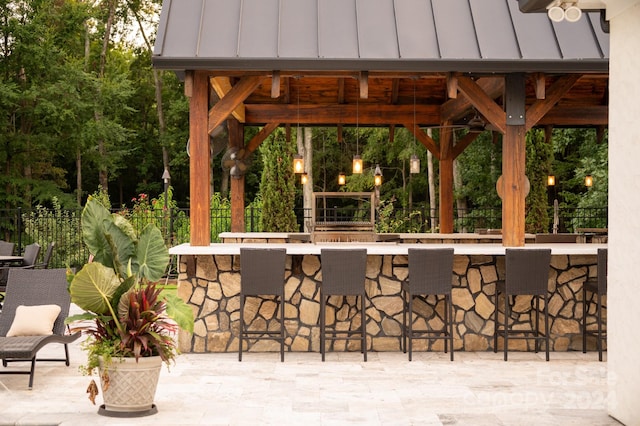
<point x="209" y="280"/>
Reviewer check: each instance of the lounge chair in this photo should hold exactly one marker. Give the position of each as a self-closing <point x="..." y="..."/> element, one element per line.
<point x="27" y="307"/>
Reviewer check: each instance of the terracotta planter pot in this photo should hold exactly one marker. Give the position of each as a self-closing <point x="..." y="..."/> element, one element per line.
<point x="132" y="387"/>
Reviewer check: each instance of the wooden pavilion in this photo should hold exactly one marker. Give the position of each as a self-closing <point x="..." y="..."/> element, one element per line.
<point x="272" y="63"/>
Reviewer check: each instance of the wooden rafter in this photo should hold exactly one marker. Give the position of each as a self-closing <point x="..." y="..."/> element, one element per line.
<point x="454" y="109"/>
<point x="222" y="86"/>
<point x="557" y="90"/>
<point x="483" y="102"/>
<point x="424" y="139"/>
<point x="264" y="133"/>
<point x="463" y="143"/>
<point x="231" y="100"/>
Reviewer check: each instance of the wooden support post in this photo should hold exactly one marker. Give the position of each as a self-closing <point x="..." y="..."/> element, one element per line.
<point x="514" y="163"/>
<point x="236" y="139"/>
<point x="446" y="180"/>
<point x="199" y="159"/>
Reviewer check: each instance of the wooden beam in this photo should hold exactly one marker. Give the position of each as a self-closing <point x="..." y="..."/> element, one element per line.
<point x="230" y="100"/>
<point x="332" y="114"/>
<point x="539" y="84"/>
<point x="557" y="90"/>
<point x="452" y="86"/>
<point x="236" y="139"/>
<point x="455" y="109"/>
<point x="222" y="86"/>
<point x="463" y="143"/>
<point x="483" y="102"/>
<point x="199" y="160"/>
<point x="255" y="141"/>
<point x="424" y="139"/>
<point x="275" y="85"/>
<point x="392" y="133"/>
<point x="576" y="116"/>
<point x="513" y="186"/>
<point x="446" y="179"/>
<point x="363" y="80"/>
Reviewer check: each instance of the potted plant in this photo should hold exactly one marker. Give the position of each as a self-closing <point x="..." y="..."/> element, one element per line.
<point x="129" y="322"/>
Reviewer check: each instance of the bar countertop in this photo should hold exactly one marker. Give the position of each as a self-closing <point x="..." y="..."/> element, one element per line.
<point x="379" y="249"/>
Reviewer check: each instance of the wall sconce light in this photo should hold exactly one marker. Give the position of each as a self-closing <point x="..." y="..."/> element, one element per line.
<point x="298" y="164"/>
<point x="414" y="164"/>
<point x="357" y="164"/>
<point x="551" y="180"/>
<point x="377" y="177"/>
<point x="304" y="178"/>
<point x="342" y="179"/>
<point x="588" y="181"/>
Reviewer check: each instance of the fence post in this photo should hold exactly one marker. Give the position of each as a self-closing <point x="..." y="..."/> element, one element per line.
<point x="19" y="229"/>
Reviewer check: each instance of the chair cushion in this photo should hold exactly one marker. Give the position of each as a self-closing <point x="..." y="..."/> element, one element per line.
<point x="34" y="320"/>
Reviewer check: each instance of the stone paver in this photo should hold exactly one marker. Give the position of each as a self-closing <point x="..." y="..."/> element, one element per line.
<point x="478" y="388"/>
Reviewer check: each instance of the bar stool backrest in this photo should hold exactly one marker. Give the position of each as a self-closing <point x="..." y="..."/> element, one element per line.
<point x="430" y="270"/>
<point x="527" y="271"/>
<point x="262" y="271"/>
<point x="343" y="271"/>
<point x="602" y="270"/>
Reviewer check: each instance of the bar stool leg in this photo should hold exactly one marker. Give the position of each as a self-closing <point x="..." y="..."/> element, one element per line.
<point x="495" y="323"/>
<point x="410" y="326"/>
<point x="546" y="324"/>
<point x="364" y="326"/>
<point x="241" y="328"/>
<point x="584" y="318"/>
<point x="282" y="328"/>
<point x="322" y="324"/>
<point x="599" y="319"/>
<point x="403" y="338"/>
<point x="506" y="324"/>
<point x="450" y="303"/>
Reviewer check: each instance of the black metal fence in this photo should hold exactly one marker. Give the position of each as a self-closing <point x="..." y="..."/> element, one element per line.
<point x="63" y="226"/>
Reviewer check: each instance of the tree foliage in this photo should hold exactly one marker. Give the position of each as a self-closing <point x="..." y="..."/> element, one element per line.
<point x="277" y="185"/>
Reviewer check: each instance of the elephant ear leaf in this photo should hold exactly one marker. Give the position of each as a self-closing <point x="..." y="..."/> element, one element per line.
<point x="92" y="288"/>
<point x="180" y="312"/>
<point x="152" y="254"/>
<point x="94" y="216"/>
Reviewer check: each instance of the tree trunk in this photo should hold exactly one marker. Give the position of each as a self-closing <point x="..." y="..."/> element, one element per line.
<point x="103" y="173"/>
<point x="432" y="189"/>
<point x="307" y="190"/>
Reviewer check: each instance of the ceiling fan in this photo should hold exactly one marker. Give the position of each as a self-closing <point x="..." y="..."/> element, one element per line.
<point x="236" y="161"/>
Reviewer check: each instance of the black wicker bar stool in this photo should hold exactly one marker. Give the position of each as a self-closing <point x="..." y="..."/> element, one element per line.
<point x="527" y="273"/>
<point x="343" y="274"/>
<point x="597" y="287"/>
<point x="262" y="274"/>
<point x="430" y="273"/>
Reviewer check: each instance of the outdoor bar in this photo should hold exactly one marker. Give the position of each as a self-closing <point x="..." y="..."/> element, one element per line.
<point x="209" y="279"/>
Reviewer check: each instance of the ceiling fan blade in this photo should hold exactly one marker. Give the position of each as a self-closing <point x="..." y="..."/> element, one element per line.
<point x="227" y="164"/>
<point x="241" y="165"/>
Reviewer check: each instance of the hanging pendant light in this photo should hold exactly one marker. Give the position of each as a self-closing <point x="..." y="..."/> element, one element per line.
<point x="304" y="178"/>
<point x="298" y="164"/>
<point x="414" y="162"/>
<point x="357" y="160"/>
<point x="377" y="176"/>
<point x="357" y="164"/>
<point x="342" y="179"/>
<point x="588" y="181"/>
